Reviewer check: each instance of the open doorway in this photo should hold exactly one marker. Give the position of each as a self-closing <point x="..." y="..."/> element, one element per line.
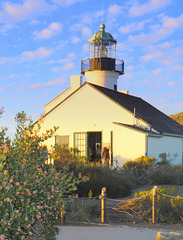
<point x="94" y="146"/>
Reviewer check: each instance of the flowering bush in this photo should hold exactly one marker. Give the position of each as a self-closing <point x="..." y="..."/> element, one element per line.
<point x="31" y="192"/>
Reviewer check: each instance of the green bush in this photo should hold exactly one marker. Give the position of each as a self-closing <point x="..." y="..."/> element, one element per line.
<point x="31" y="192"/>
<point x="140" y="168"/>
<point x="167" y="174"/>
<point x="168" y="209"/>
<point x="116" y="183"/>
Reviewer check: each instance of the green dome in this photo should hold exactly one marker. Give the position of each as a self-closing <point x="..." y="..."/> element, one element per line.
<point x="102" y="36"/>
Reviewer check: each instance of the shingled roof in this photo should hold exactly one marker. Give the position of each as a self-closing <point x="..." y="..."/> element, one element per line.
<point x="158" y="120"/>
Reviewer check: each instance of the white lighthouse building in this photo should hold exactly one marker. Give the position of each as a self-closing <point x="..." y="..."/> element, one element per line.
<point x="101" y="121"/>
<point x="102" y="68"/>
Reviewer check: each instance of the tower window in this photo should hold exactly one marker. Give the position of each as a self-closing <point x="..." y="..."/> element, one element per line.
<point x="115" y="87"/>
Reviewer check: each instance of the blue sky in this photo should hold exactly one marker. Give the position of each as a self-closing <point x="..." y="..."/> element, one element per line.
<point x="42" y="43"/>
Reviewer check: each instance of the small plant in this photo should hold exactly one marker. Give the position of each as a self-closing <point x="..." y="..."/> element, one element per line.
<point x="177" y="204"/>
<point x="140" y="209"/>
<point x="166" y="159"/>
<point x="118" y="184"/>
<point x="140" y="168"/>
<point x="90" y="194"/>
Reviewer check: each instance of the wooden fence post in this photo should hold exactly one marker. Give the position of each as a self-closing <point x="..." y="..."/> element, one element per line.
<point x="62" y="217"/>
<point x="154" y="205"/>
<point x="103" y="205"/>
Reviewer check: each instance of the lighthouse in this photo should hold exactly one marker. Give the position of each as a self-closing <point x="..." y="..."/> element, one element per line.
<point x="102" y="68"/>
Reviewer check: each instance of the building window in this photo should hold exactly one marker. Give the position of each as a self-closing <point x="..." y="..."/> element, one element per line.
<point x="62" y="141"/>
<point x="115" y="87"/>
<point x="80" y="140"/>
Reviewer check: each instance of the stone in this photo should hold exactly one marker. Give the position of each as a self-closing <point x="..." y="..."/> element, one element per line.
<point x="168" y="236"/>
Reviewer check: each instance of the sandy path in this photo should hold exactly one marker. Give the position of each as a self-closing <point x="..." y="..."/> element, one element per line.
<point x="105" y="233"/>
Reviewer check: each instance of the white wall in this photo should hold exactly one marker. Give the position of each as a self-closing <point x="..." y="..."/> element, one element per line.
<point x="105" y="78"/>
<point x="169" y="144"/>
<point x="89" y="110"/>
<point x="128" y="144"/>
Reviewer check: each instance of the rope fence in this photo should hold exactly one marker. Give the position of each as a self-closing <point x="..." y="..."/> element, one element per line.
<point x="136" y="208"/>
<point x="132" y="199"/>
<point x="166" y="195"/>
<point x="145" y="206"/>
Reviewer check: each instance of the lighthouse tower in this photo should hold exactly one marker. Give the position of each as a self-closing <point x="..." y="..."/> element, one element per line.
<point x="102" y="68"/>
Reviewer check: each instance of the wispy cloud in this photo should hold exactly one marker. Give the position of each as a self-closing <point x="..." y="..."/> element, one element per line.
<point x="6" y="27"/>
<point x="70" y="57"/>
<point x="40" y="96"/>
<point x="52" y="30"/>
<point x="112" y="13"/>
<point x="85" y="19"/>
<point x="171" y="83"/>
<point x="150" y="6"/>
<point x="13" y="13"/>
<point x="165" y="55"/>
<point x="122" y="46"/>
<point x="86" y="32"/>
<point x="114" y="10"/>
<point x="66" y="63"/>
<point x="154" y="55"/>
<point x="1" y="89"/>
<point x="39" y="53"/>
<point x="52" y="83"/>
<point x="75" y="39"/>
<point x="157" y="71"/>
<point x="158" y="32"/>
<point x="178" y="67"/>
<point x="66" y="2"/>
<point x="132" y="27"/>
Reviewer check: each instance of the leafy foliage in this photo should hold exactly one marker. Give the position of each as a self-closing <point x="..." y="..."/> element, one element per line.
<point x="117" y="184"/>
<point x="140" y="207"/>
<point x="31" y="192"/>
<point x="167" y="174"/>
<point x="140" y="167"/>
<point x="178" y="117"/>
<point x="167" y="207"/>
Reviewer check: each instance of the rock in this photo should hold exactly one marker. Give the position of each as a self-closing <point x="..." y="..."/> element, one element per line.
<point x="168" y="236"/>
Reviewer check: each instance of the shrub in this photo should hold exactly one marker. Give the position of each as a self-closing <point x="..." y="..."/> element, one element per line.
<point x="31" y="192"/>
<point x="117" y="184"/>
<point x="167" y="174"/>
<point x="140" y="168"/>
<point x="140" y="209"/>
<point x="63" y="157"/>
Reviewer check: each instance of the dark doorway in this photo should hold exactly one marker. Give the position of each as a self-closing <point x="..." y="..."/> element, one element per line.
<point x="94" y="146"/>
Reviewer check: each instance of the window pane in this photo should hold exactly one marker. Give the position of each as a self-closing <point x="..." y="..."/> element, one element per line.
<point x="80" y="143"/>
<point x="62" y="141"/>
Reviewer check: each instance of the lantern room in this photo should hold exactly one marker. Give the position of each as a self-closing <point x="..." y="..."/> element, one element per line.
<point x="102" y="68"/>
<point x="102" y="44"/>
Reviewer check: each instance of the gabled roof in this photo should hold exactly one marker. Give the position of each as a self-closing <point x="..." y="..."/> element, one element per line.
<point x="151" y="115"/>
<point x="158" y="120"/>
